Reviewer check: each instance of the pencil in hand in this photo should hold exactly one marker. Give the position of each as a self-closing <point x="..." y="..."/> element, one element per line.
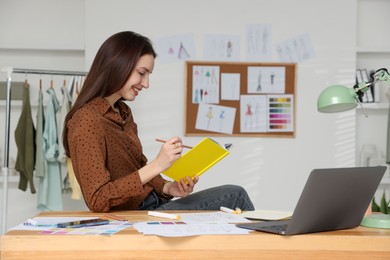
<point x="163" y="141"/>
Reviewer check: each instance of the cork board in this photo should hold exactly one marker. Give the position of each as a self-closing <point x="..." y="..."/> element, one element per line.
<point x="240" y="99"/>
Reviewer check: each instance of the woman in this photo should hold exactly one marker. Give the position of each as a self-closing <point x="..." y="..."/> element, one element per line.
<point x="100" y="137"/>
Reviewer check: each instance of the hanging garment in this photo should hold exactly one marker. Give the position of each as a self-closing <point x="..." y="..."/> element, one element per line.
<point x="40" y="158"/>
<point x="76" y="190"/>
<point x="50" y="189"/>
<point x="388" y="138"/>
<point x="71" y="87"/>
<point x="62" y="158"/>
<point x="25" y="142"/>
<point x="65" y="107"/>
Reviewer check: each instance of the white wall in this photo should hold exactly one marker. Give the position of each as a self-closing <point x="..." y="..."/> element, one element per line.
<point x="273" y="170"/>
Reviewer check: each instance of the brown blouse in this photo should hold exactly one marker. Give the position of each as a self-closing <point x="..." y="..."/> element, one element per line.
<point x="106" y="154"/>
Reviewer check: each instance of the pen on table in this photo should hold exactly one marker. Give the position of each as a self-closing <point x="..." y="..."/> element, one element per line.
<point x="232" y="211"/>
<point x="163" y="141"/>
<point x="164" y="215"/>
<point x="115" y="217"/>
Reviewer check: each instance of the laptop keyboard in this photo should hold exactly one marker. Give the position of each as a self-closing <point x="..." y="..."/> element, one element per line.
<point x="277" y="227"/>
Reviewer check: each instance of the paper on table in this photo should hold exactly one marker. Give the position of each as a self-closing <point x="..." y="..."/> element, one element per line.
<point x="213" y="217"/>
<point x="266" y="215"/>
<point x="195" y="224"/>
<point x="181" y="229"/>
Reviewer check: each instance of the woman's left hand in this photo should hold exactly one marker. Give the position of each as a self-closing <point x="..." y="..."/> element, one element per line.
<point x="181" y="189"/>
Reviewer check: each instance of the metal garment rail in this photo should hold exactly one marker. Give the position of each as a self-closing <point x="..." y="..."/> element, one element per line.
<point x="5" y="169"/>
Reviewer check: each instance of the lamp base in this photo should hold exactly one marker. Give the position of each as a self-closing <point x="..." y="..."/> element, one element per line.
<point x="376" y="221"/>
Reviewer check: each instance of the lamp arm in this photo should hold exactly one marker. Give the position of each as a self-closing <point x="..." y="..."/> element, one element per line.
<point x="361" y="88"/>
<point x="379" y="75"/>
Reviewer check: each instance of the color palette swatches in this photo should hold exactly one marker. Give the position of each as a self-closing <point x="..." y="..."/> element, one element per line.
<point x="104" y="230"/>
<point x="280" y="113"/>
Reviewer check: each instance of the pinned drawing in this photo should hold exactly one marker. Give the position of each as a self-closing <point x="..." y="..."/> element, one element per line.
<point x="205" y="84"/>
<point x="253" y="114"/>
<point x="230" y="86"/>
<point x="215" y="118"/>
<point x="175" y="48"/>
<point x="222" y="47"/>
<point x="262" y="79"/>
<point x="296" y="49"/>
<point x="259" y="42"/>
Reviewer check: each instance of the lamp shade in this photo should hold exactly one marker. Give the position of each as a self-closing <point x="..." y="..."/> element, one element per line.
<point x="336" y="98"/>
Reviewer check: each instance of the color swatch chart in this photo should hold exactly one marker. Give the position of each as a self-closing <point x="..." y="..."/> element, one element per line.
<point x="106" y="230"/>
<point x="280" y="113"/>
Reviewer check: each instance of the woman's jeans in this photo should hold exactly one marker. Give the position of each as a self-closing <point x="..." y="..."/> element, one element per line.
<point x="230" y="196"/>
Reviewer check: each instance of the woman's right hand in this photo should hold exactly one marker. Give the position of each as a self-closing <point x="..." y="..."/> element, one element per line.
<point x="169" y="153"/>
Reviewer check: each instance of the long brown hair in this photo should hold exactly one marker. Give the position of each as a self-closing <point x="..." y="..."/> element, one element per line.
<point x="110" y="70"/>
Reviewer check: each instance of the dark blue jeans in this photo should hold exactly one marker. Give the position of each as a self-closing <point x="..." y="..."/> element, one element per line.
<point x="230" y="196"/>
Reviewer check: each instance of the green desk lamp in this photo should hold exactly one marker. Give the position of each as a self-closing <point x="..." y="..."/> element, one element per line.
<point x="338" y="98"/>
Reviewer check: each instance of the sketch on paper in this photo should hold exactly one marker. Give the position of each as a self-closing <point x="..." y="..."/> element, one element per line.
<point x="266" y="79"/>
<point x="259" y="42"/>
<point x="222" y="47"/>
<point x="205" y="84"/>
<point x="280" y="113"/>
<point x="296" y="49"/>
<point x="230" y="86"/>
<point x="183" y="53"/>
<point x="253" y="113"/>
<point x="215" y="118"/>
<point x="175" y="48"/>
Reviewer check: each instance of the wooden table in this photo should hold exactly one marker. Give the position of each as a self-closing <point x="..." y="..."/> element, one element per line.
<point x="358" y="243"/>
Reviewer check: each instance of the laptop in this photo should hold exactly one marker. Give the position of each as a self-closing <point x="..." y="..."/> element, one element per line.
<point x="332" y="199"/>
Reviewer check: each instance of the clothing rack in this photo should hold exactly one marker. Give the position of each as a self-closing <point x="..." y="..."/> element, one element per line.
<point x="5" y="169"/>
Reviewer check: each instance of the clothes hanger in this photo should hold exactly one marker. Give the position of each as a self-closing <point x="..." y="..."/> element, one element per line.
<point x="40" y="82"/>
<point x="77" y="86"/>
<point x="51" y="82"/>
<point x="25" y="81"/>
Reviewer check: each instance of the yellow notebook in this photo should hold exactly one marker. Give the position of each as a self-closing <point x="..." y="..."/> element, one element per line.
<point x="197" y="160"/>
